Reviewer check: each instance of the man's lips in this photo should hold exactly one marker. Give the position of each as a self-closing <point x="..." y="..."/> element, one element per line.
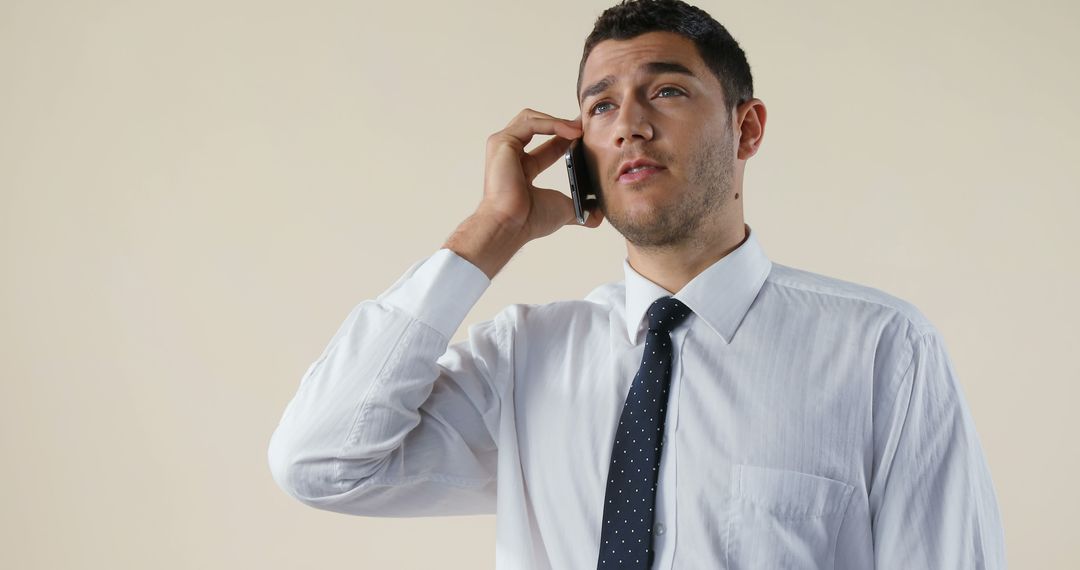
<point x="641" y="174"/>
<point x="645" y="167"/>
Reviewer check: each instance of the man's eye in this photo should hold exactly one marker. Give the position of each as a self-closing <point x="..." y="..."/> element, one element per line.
<point x="593" y="111"/>
<point x="597" y="106"/>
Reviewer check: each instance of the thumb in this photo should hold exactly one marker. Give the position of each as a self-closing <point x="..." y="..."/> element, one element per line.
<point x="594" y="217"/>
<point x="556" y="208"/>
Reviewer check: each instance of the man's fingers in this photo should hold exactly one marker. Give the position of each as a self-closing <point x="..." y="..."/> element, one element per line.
<point x="529" y="123"/>
<point x="543" y="156"/>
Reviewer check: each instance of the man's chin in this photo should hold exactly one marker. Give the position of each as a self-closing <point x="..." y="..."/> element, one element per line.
<point x="639" y="231"/>
<point x="639" y="213"/>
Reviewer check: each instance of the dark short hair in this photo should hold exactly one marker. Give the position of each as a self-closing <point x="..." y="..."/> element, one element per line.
<point x="720" y="52"/>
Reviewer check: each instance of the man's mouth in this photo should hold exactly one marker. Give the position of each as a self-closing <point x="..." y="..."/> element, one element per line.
<point x="639" y="173"/>
<point x="638" y="169"/>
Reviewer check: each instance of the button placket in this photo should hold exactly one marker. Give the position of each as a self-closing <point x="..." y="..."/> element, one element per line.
<point x="667" y="491"/>
<point x="633" y="474"/>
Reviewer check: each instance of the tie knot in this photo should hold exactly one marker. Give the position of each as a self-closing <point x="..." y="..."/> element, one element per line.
<point x="666" y="313"/>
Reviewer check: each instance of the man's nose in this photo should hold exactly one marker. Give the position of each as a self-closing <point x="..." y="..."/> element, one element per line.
<point x="633" y="121"/>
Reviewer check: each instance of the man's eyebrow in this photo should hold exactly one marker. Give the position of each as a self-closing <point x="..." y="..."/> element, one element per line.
<point x="651" y="68"/>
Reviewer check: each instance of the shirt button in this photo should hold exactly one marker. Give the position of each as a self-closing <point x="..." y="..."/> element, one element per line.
<point x="659" y="528"/>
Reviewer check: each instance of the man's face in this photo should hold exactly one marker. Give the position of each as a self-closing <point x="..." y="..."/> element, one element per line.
<point x="673" y="115"/>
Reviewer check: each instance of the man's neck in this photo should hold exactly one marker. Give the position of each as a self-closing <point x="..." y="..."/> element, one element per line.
<point x="674" y="266"/>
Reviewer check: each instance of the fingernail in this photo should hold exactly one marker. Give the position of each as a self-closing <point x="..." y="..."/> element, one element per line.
<point x="587" y="216"/>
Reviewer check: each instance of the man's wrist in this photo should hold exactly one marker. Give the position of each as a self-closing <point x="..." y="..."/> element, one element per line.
<point x="486" y="242"/>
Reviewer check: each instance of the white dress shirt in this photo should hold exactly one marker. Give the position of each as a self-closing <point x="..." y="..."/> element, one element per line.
<point x="812" y="422"/>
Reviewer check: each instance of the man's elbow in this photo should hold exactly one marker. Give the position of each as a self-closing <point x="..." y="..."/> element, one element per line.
<point x="314" y="478"/>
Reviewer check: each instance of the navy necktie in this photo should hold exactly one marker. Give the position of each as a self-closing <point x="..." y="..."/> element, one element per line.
<point x="626" y="530"/>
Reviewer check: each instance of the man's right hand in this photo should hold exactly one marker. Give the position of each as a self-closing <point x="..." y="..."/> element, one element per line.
<point x="509" y="194"/>
<point x="512" y="211"/>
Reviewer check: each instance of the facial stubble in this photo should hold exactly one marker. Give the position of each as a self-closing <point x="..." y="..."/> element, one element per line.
<point x="709" y="185"/>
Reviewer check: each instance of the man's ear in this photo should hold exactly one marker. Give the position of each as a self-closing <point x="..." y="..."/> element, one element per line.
<point x="750" y="116"/>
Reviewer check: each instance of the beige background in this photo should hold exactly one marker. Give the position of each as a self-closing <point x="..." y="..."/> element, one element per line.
<point x="194" y="195"/>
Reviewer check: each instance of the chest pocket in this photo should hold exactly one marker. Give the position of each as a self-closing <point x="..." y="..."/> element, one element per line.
<point x="784" y="519"/>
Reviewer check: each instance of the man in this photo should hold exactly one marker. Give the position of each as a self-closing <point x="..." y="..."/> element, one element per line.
<point x="712" y="410"/>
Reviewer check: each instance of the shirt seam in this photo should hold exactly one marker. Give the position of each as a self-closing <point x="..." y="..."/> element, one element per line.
<point x="437" y="477"/>
<point x="362" y="405"/>
<point x="903" y="421"/>
<point x="449" y="479"/>
<point x="433" y="477"/>
<point x="923" y="330"/>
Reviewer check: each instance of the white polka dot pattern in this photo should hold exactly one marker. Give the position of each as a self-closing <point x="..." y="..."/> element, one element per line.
<point x="626" y="529"/>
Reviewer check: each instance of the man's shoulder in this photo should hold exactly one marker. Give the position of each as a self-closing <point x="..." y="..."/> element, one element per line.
<point x="845" y="296"/>
<point x="600" y="302"/>
<point x="607" y="294"/>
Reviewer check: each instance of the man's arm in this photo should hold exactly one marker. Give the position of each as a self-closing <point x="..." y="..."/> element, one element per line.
<point x="932" y="502"/>
<point x="391" y="421"/>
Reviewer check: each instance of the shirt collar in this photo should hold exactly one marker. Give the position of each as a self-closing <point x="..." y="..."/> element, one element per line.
<point x="720" y="295"/>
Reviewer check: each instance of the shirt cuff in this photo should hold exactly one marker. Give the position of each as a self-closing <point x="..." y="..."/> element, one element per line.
<point x="439" y="291"/>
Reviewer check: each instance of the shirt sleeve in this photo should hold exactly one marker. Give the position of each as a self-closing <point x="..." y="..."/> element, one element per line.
<point x="389" y="420"/>
<point x="933" y="503"/>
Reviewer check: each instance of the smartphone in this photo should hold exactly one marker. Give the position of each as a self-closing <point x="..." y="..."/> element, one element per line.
<point x="582" y="189"/>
